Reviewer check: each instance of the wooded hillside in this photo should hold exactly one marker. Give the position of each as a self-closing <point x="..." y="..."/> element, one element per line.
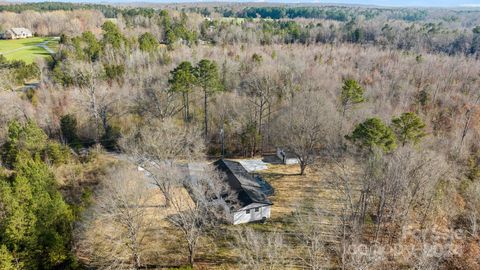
<point x="380" y="106"/>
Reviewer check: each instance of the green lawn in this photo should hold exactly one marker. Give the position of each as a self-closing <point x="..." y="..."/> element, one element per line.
<point x="26" y="49"/>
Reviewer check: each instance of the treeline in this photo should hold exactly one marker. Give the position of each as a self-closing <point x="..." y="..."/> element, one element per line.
<point x="336" y="13"/>
<point x="53" y="23"/>
<point x="418" y="37"/>
<point x="107" y="11"/>
<point x="328" y="13"/>
<point x="172" y="86"/>
<point x="443" y="31"/>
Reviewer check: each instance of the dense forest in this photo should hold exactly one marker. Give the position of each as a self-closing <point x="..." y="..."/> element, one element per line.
<point x="381" y="106"/>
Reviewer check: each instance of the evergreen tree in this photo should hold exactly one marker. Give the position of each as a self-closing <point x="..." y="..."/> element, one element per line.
<point x="182" y="79"/>
<point x="208" y="79"/>
<point x="92" y="48"/>
<point x="110" y="139"/>
<point x="36" y="229"/>
<point x="373" y="133"/>
<point x="6" y="259"/>
<point x="409" y="127"/>
<point x="68" y="127"/>
<point x="148" y="42"/>
<point x="28" y="138"/>
<point x="112" y="35"/>
<point x="352" y="93"/>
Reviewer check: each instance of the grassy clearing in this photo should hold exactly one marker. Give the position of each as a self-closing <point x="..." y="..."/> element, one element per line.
<point x="27" y="49"/>
<point x="165" y="244"/>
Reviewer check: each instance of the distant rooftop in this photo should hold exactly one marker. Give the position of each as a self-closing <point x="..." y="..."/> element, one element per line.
<point x="20" y="30"/>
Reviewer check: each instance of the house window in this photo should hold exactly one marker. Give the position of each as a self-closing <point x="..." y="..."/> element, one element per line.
<point x="257" y="209"/>
<point x="248" y="211"/>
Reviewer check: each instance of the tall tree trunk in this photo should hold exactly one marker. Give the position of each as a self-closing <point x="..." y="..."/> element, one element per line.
<point x="344" y="239"/>
<point x="94" y="107"/>
<point x="168" y="199"/>
<point x="303" y="166"/>
<point x="185" y="107"/>
<point x="136" y="261"/>
<point x="380" y="211"/>
<point x="188" y="108"/>
<point x="468" y="116"/>
<point x="191" y="255"/>
<point x="206" y="113"/>
<point x="260" y="123"/>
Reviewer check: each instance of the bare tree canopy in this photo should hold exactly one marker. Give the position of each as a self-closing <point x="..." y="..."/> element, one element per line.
<point x="121" y="220"/>
<point x="126" y="107"/>
<point x="307" y="126"/>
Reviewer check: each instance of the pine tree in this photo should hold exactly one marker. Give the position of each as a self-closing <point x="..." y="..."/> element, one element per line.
<point x="207" y="76"/>
<point x="148" y="42"/>
<point x="182" y="79"/>
<point x="373" y="133"/>
<point x="409" y="127"/>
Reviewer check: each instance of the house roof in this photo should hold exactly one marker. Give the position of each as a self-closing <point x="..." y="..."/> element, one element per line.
<point x="249" y="190"/>
<point x="19" y="30"/>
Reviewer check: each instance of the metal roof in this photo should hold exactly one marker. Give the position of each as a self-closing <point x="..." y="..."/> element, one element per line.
<point x="19" y="30"/>
<point x="249" y="190"/>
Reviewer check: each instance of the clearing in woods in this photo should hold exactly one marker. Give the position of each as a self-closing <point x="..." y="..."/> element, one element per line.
<point x="293" y="192"/>
<point x="28" y="49"/>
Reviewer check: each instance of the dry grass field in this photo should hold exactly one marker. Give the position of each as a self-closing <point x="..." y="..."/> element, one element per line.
<point x="293" y="192"/>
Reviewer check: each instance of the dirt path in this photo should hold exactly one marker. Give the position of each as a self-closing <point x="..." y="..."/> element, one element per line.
<point x="45" y="47"/>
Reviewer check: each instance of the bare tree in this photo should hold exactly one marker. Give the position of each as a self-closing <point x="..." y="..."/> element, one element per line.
<point x="469" y="114"/>
<point x="473" y="207"/>
<point x="157" y="103"/>
<point x="7" y="80"/>
<point x="312" y="238"/>
<point x="343" y="180"/>
<point x="95" y="96"/>
<point x="306" y="127"/>
<point x="260" y="250"/>
<point x="158" y="146"/>
<point x="120" y="220"/>
<point x="261" y="91"/>
<point x="196" y="215"/>
<point x="13" y="107"/>
<point x="161" y="141"/>
<point x="411" y="178"/>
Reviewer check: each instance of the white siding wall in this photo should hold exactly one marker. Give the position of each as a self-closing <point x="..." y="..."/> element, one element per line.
<point x="291" y="161"/>
<point x="241" y="215"/>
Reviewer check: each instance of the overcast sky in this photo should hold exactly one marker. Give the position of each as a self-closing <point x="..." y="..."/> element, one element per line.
<point x="422" y="3"/>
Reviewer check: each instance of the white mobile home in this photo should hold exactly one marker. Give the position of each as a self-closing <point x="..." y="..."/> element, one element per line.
<point x="253" y="203"/>
<point x="251" y="212"/>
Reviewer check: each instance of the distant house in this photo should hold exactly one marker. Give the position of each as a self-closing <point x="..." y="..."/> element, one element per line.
<point x="252" y="192"/>
<point x="17" y="33"/>
<point x="287" y="157"/>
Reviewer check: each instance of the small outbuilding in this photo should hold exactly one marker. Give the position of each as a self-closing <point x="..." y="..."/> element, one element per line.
<point x="252" y="192"/>
<point x="287" y="158"/>
<point x="17" y="33"/>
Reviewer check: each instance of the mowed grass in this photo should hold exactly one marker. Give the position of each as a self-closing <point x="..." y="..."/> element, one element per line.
<point x="27" y="49"/>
